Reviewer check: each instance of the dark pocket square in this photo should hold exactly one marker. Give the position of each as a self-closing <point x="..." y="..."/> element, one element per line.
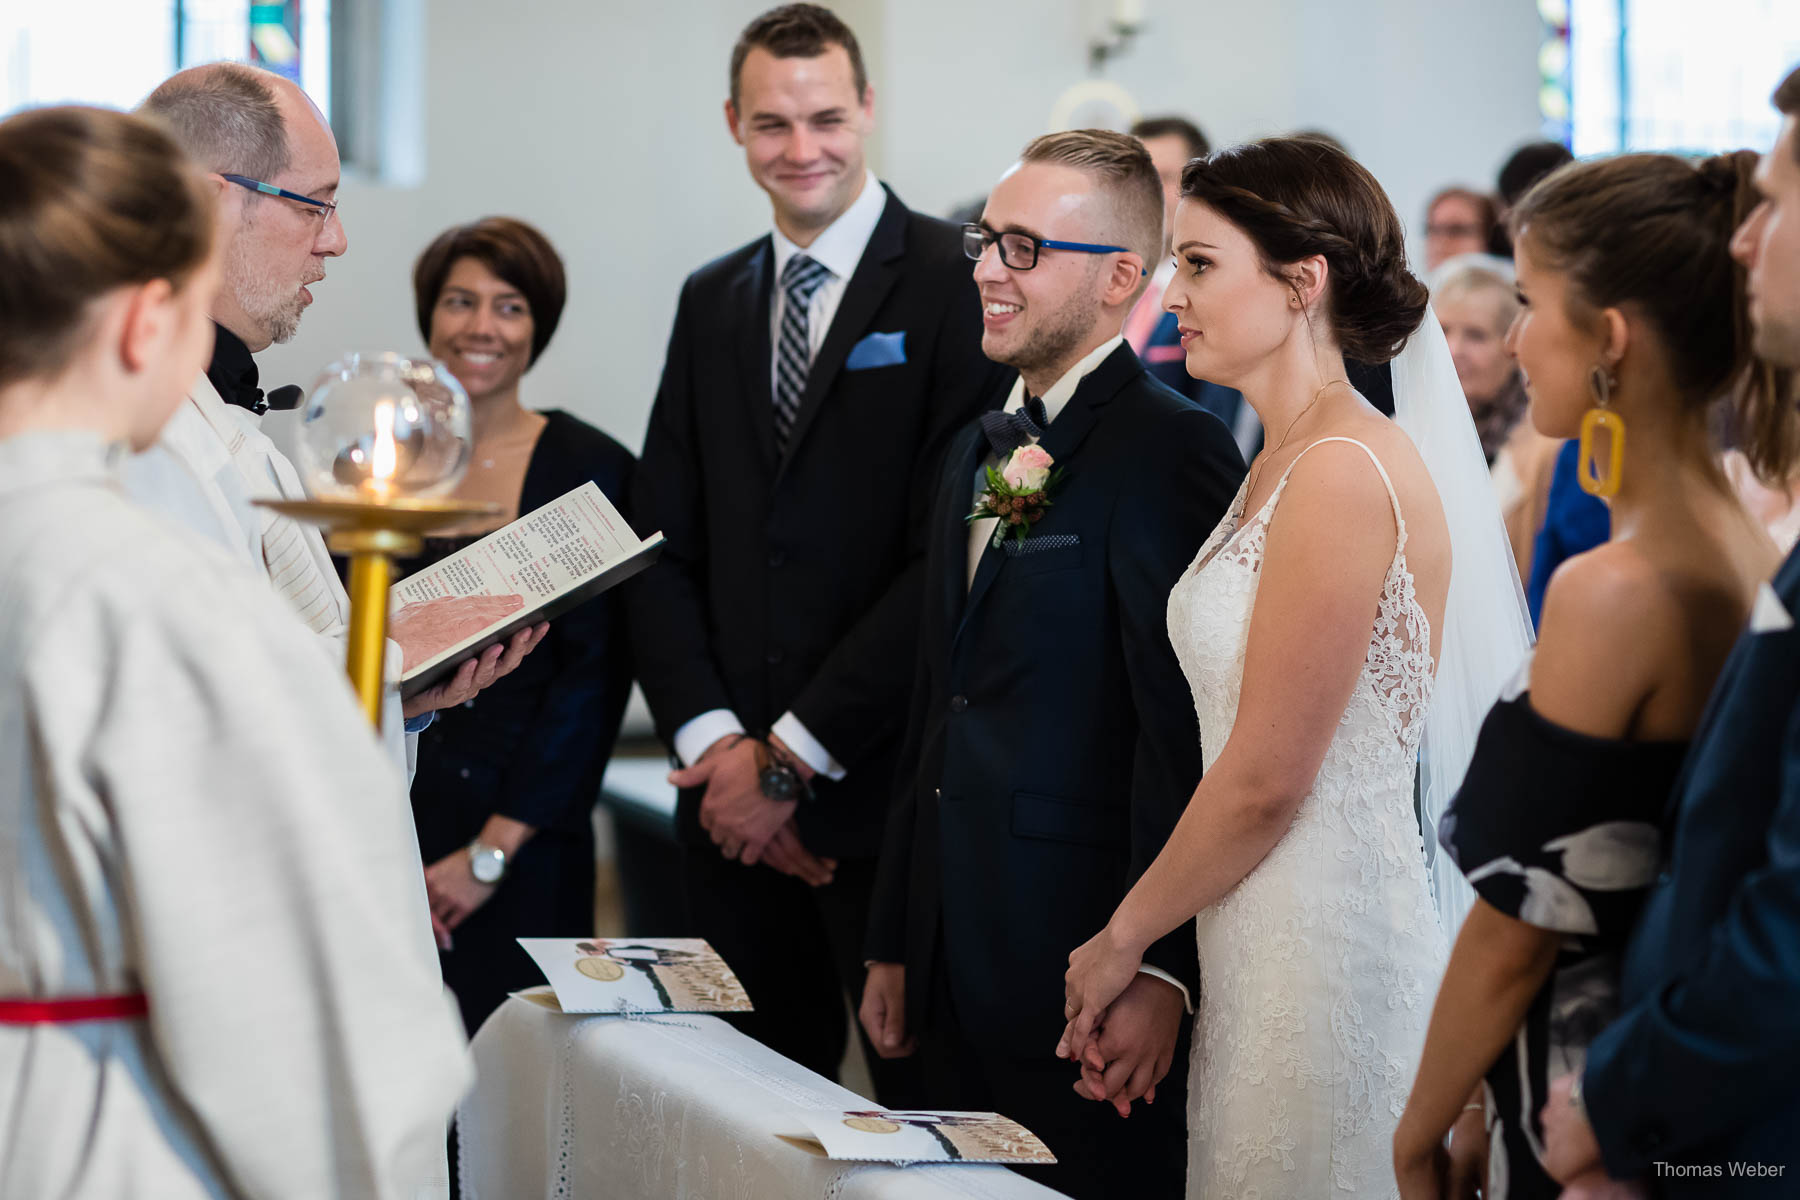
<point x="877" y="350"/>
<point x="1036" y="545"/>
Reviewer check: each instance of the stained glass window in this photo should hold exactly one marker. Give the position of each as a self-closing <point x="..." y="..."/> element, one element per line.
<point x="113" y="52"/>
<point x="1671" y="74"/>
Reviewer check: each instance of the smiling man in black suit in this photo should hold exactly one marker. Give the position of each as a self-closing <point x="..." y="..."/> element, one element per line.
<point x="1053" y="743"/>
<point x="812" y="381"/>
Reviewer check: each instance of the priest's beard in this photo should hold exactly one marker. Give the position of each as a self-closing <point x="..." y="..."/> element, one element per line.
<point x="274" y="304"/>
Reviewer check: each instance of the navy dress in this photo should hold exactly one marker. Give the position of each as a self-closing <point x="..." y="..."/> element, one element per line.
<point x="532" y="747"/>
<point x="1561" y="831"/>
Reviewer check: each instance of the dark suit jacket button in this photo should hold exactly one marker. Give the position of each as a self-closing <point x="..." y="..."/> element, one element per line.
<point x="777" y="558"/>
<point x="774" y="658"/>
<point x="958" y="703"/>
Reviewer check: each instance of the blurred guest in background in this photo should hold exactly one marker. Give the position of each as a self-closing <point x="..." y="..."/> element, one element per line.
<point x="1153" y="331"/>
<point x="1523" y="167"/>
<point x="1697" y="1072"/>
<point x="1634" y="324"/>
<point x="1573" y="522"/>
<point x="506" y="783"/>
<point x="1475" y="302"/>
<point x="1457" y="221"/>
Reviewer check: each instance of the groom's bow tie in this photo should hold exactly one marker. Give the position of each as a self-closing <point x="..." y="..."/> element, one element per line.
<point x="1007" y="431"/>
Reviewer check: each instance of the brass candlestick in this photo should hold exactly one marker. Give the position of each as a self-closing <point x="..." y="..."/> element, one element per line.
<point x="382" y="436"/>
<point x="373" y="532"/>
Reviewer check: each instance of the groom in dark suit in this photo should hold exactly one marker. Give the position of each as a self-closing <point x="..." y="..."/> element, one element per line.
<point x="1693" y="1088"/>
<point x="813" y="379"/>
<point x="1052" y="743"/>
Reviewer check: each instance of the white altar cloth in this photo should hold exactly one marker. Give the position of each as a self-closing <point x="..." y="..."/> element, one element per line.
<point x="592" y="1108"/>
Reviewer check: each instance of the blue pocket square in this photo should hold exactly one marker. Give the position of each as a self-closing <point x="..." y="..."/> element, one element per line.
<point x="877" y="350"/>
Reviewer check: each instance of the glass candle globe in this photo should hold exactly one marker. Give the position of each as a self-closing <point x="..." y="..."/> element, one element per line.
<point x="382" y="427"/>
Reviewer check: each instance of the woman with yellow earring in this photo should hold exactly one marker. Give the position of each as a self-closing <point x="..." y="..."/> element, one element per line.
<point x="1594" y="481"/>
<point x="1632" y="316"/>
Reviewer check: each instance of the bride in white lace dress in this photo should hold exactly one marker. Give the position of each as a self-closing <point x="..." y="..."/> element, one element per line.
<point x="1309" y="629"/>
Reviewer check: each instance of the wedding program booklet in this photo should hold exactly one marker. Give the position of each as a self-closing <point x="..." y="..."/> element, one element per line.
<point x="636" y="975"/>
<point x="918" y="1136"/>
<point x="535" y="569"/>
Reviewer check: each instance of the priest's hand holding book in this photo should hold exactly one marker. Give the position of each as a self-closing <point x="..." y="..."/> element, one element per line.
<point x="472" y="676"/>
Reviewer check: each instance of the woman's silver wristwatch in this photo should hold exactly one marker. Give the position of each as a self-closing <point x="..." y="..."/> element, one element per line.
<point x="487" y="863"/>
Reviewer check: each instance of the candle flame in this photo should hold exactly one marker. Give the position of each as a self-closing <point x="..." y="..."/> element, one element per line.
<point x="385" y="457"/>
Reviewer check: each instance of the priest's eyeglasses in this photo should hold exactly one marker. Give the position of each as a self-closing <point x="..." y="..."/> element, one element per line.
<point x="1020" y="250"/>
<point x="323" y="209"/>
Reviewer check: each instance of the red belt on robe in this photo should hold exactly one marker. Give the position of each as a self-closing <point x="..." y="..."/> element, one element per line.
<point x="74" y="1008"/>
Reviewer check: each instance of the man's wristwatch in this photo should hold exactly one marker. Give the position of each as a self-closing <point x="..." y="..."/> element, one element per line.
<point x="487" y="863"/>
<point x="777" y="777"/>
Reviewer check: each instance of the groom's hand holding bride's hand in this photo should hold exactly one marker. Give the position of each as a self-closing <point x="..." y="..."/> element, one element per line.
<point x="1099" y="972"/>
<point x="1136" y="1045"/>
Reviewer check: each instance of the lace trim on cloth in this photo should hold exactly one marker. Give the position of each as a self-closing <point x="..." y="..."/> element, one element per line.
<point x="565" y="1121"/>
<point x="1318" y="969"/>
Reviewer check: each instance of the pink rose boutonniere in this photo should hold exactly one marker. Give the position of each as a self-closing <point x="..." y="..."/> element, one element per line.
<point x="1017" y="492"/>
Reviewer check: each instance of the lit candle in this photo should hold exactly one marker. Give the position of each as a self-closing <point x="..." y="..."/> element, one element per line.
<point x="385" y="458"/>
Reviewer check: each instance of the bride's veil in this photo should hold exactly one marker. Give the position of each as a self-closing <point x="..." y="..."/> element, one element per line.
<point x="1487" y="628"/>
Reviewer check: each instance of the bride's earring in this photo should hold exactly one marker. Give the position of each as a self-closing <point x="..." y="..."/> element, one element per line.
<point x="1601" y="416"/>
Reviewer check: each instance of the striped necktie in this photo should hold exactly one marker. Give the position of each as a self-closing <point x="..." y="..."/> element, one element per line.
<point x="793" y="352"/>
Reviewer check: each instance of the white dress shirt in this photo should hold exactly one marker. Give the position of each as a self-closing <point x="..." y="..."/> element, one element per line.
<point x="838" y="249"/>
<point x="1055" y="397"/>
<point x="981" y="533"/>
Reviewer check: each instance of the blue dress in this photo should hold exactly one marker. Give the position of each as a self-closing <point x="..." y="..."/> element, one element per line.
<point x="1573" y="522"/>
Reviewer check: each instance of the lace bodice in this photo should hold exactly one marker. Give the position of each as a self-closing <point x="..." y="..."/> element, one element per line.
<point x="1318" y="970"/>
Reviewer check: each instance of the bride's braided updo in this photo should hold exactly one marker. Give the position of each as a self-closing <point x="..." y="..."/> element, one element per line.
<point x="1299" y="197"/>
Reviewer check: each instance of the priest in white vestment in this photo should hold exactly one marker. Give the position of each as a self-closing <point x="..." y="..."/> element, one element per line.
<point x="276" y="230"/>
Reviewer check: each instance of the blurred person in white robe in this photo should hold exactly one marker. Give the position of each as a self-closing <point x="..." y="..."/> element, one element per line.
<point x="215" y="978"/>
<point x="273" y="163"/>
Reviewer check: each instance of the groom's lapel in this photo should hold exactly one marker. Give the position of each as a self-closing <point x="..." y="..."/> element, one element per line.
<point x="1060" y="441"/>
<point x="965" y="457"/>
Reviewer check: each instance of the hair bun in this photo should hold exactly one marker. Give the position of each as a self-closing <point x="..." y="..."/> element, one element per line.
<point x="1378" y="304"/>
<point x="1726" y="173"/>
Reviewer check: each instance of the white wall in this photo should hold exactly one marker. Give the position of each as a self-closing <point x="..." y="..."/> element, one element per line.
<point x="600" y="121"/>
<point x="1424" y="92"/>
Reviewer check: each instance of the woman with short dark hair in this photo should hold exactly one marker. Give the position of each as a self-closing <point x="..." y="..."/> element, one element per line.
<point x="506" y="784"/>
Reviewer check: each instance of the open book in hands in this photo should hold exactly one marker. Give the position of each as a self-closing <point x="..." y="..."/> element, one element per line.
<point x="536" y="568"/>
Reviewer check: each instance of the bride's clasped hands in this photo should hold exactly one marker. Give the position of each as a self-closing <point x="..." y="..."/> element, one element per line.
<point x="1099" y="971"/>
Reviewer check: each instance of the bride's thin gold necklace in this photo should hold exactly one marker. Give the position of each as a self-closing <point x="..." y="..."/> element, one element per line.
<point x="1263" y="458"/>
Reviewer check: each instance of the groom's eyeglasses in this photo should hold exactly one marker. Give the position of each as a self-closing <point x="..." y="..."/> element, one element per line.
<point x="1020" y="250"/>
